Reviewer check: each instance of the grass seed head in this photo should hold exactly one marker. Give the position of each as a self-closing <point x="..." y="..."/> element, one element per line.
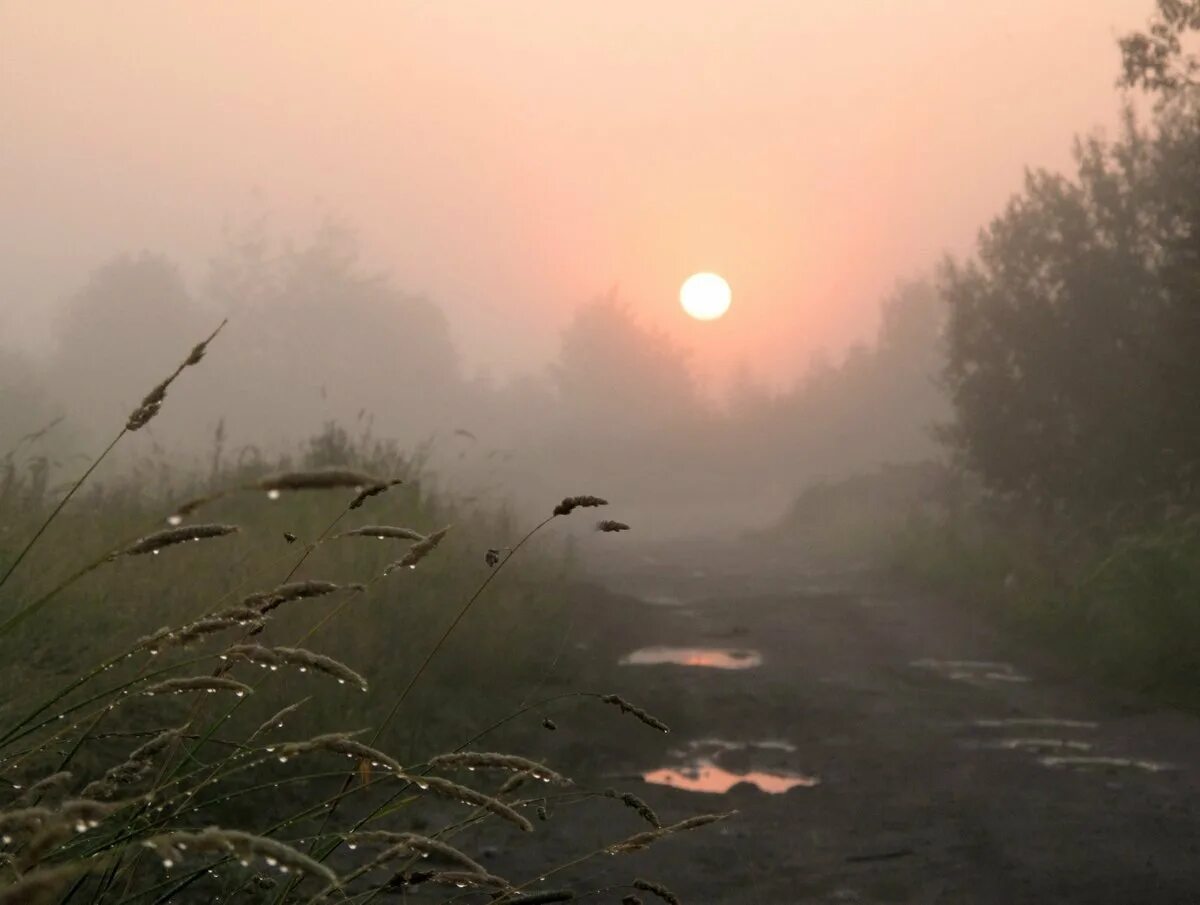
<point x="169" y="537"/>
<point x="659" y="890"/>
<point x="635" y="711"/>
<point x="571" y="503"/>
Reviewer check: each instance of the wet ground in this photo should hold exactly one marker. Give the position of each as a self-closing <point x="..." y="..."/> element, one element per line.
<point x="878" y="746"/>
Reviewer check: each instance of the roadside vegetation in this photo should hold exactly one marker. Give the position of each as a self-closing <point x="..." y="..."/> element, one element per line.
<point x="1071" y="359"/>
<point x="282" y="681"/>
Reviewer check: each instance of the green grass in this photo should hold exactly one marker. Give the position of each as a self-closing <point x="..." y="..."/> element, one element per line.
<point x="205" y="797"/>
<point x="1123" y="607"/>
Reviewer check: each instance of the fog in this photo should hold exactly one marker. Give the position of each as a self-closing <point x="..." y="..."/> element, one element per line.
<point x="463" y="226"/>
<point x="747" y="449"/>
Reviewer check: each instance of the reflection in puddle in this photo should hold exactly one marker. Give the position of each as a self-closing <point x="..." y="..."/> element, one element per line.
<point x="712" y="657"/>
<point x="661" y="599"/>
<point x="1010" y="722"/>
<point x="715" y="765"/>
<point x="972" y="670"/>
<point x="1041" y="744"/>
<point x="1101" y="763"/>
<point x="705" y="776"/>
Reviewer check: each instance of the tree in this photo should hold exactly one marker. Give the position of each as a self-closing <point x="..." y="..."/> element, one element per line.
<point x="1155" y="59"/>
<point x="1074" y="337"/>
<point x="131" y="322"/>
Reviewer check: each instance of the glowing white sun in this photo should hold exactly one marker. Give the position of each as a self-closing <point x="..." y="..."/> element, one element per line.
<point x="705" y="296"/>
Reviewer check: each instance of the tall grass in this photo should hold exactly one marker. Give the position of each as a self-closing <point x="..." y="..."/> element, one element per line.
<point x="208" y="684"/>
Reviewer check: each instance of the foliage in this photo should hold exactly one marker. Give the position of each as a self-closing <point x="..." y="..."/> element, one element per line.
<point x="1074" y="338"/>
<point x="140" y="763"/>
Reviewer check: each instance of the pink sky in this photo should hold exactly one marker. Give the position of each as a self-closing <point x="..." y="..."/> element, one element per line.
<point x="512" y="159"/>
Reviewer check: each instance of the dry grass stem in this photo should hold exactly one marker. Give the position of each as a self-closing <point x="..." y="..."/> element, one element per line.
<point x="632" y="801"/>
<point x="244" y="846"/>
<point x="477" y="760"/>
<point x="152" y="402"/>
<point x="659" y="890"/>
<point x="169" y="537"/>
<point x="571" y="503"/>
<point x="276" y="721"/>
<point x="384" y="531"/>
<point x="304" y="660"/>
<point x="367" y="492"/>
<point x="135" y="768"/>
<point x="639" y="841"/>
<point x="634" y="710"/>
<point x="418" y="551"/>
<point x="539" y="898"/>
<point x="609" y="526"/>
<point x="455" y="792"/>
<point x="48" y="784"/>
<point x="210" y="684"/>
<point x="341" y="743"/>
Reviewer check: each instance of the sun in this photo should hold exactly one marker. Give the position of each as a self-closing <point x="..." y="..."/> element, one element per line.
<point x="705" y="296"/>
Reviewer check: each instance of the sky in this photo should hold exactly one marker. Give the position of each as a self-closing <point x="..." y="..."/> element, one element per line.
<point x="511" y="160"/>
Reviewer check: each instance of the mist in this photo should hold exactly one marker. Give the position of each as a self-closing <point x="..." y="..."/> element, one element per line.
<point x="346" y="367"/>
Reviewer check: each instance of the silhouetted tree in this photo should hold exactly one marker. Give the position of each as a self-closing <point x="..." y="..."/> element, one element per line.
<point x="1074" y="338"/>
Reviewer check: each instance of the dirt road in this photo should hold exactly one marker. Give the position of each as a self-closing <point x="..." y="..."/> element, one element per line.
<point x="931" y="761"/>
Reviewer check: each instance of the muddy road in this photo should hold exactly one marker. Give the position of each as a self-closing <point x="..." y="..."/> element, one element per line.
<point x="878" y="746"/>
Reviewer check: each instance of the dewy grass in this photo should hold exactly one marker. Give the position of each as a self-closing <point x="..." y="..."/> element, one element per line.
<point x="145" y="813"/>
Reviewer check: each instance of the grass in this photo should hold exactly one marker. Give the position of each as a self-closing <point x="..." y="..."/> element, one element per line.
<point x="1121" y="605"/>
<point x="244" y="698"/>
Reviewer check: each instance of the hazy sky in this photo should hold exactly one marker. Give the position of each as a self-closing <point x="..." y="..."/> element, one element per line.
<point x="512" y="159"/>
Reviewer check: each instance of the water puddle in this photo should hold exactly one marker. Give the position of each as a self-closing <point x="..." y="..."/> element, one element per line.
<point x="707" y="767"/>
<point x="1036" y="721"/>
<point x="706" y="776"/>
<point x="710" y="657"/>
<point x="972" y="670"/>
<point x="1103" y="763"/>
<point x="661" y="600"/>
<point x="1041" y="745"/>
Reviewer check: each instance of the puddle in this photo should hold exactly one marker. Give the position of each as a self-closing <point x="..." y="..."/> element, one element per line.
<point x="661" y="600"/>
<point x="1103" y="763"/>
<point x="706" y="776"/>
<point x="1046" y="721"/>
<point x="710" y="657"/>
<point x="1041" y="744"/>
<point x="715" y="766"/>
<point x="972" y="670"/>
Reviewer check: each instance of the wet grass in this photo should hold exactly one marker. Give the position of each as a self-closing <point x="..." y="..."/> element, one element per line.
<point x="217" y="688"/>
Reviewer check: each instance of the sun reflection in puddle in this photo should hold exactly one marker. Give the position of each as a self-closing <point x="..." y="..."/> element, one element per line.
<point x="715" y="766"/>
<point x="972" y="670"/>
<point x="710" y="657"/>
<point x="706" y="776"/>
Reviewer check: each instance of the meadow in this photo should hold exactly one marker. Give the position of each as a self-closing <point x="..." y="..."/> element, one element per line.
<point x="281" y="681"/>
